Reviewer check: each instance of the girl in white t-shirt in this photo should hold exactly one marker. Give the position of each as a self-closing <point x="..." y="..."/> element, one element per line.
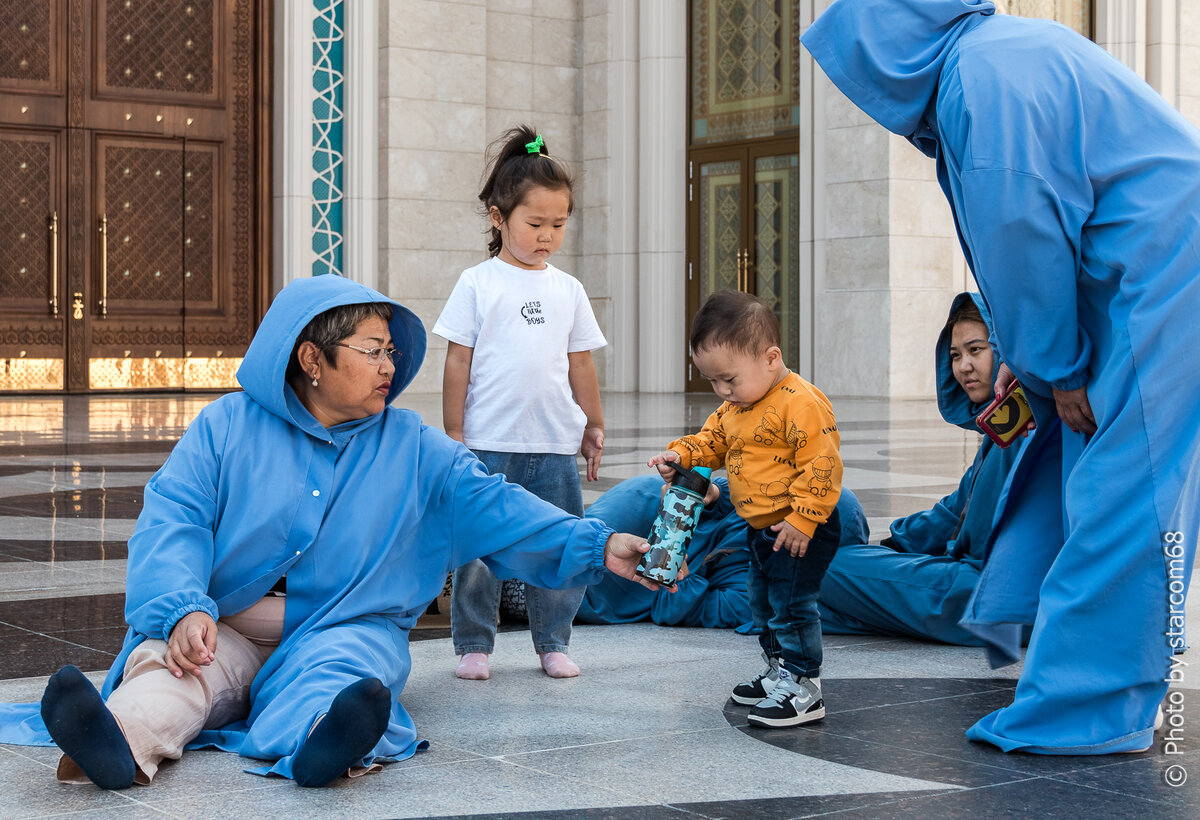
<point x="520" y="386"/>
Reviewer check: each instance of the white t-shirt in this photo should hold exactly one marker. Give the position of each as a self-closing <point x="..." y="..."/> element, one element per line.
<point x="521" y="324"/>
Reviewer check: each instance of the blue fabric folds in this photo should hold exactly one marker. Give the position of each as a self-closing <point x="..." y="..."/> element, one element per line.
<point x="714" y="594"/>
<point x="1075" y="189"/>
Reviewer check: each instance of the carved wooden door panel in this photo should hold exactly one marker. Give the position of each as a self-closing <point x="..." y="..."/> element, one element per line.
<point x="159" y="148"/>
<point x="32" y="194"/>
<point x="743" y="209"/>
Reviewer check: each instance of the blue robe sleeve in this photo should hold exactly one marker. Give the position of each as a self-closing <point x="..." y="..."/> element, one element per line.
<point x="171" y="552"/>
<point x="932" y="531"/>
<point x="1019" y="231"/>
<point x="517" y="534"/>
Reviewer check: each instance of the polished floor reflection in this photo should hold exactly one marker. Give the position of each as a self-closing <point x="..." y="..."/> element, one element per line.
<point x="645" y="732"/>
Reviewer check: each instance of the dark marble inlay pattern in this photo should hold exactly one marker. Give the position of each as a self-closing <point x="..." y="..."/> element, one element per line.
<point x="114" y="502"/>
<point x="91" y="448"/>
<point x="57" y="614"/>
<point x="27" y="654"/>
<point x="38" y="636"/>
<point x="52" y="551"/>
<point x="915" y="728"/>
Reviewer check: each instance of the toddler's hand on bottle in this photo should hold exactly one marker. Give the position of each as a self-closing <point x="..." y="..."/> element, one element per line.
<point x="660" y="460"/>
<point x="791" y="539"/>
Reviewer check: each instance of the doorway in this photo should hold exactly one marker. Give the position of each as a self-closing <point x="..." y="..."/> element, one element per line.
<point x="134" y="192"/>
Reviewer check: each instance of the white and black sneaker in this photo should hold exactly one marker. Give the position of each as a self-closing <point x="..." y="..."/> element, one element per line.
<point x="757" y="688"/>
<point x="791" y="702"/>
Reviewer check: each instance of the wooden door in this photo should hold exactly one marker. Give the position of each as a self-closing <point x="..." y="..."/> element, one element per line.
<point x="742" y="231"/>
<point x="33" y="148"/>
<point x="161" y="191"/>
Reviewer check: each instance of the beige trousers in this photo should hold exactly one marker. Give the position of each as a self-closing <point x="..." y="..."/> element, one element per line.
<point x="160" y="713"/>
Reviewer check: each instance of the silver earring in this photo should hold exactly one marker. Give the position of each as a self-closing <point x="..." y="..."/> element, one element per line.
<point x="314" y="381"/>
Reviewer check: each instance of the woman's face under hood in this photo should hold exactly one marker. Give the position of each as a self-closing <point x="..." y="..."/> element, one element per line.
<point x="971" y="359"/>
<point x="355" y="388"/>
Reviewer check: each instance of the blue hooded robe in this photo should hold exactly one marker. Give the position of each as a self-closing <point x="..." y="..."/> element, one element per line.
<point x="921" y="581"/>
<point x="365" y="518"/>
<point x="1075" y="189"/>
<point x="714" y="593"/>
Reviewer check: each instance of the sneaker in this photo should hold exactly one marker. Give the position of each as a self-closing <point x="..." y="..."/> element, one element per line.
<point x="791" y="703"/>
<point x="757" y="688"/>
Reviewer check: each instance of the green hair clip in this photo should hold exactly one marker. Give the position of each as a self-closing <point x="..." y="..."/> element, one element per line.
<point x="536" y="146"/>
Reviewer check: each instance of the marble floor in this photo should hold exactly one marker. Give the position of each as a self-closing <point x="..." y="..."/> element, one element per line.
<point x="645" y="732"/>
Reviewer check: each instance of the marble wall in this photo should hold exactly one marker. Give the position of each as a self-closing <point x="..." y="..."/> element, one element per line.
<point x="886" y="261"/>
<point x="605" y="81"/>
<point x="454" y="75"/>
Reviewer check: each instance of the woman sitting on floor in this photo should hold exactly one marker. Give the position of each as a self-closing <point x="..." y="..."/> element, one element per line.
<point x="309" y="483"/>
<point x="919" y="581"/>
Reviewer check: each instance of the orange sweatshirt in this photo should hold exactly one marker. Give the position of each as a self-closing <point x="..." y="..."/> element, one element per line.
<point x="781" y="454"/>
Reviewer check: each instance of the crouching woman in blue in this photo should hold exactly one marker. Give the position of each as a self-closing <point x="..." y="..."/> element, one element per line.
<point x="920" y="580"/>
<point x="306" y="480"/>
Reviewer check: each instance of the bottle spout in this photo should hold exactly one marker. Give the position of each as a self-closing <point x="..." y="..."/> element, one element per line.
<point x="703" y="472"/>
<point x="697" y="478"/>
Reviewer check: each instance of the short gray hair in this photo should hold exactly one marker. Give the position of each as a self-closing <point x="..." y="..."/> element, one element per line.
<point x="328" y="328"/>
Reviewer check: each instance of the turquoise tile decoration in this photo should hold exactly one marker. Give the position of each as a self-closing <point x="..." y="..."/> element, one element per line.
<point x="329" y="38"/>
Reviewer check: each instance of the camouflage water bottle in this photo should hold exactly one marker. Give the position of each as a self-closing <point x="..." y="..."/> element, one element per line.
<point x="677" y="518"/>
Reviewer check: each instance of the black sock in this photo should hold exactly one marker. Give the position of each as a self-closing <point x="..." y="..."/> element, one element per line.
<point x="82" y="726"/>
<point x="353" y="725"/>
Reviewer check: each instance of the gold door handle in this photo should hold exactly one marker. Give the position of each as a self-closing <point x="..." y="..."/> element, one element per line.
<point x="77" y="306"/>
<point x="743" y="271"/>
<point x="104" y="267"/>
<point x="54" y="264"/>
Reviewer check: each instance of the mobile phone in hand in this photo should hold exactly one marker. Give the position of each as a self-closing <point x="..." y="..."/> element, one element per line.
<point x="1008" y="417"/>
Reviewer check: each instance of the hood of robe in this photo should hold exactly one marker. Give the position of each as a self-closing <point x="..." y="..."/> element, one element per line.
<point x="262" y="371"/>
<point x="953" y="402"/>
<point x="887" y="55"/>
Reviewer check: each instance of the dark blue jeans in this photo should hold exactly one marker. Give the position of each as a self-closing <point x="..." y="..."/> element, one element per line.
<point x="783" y="596"/>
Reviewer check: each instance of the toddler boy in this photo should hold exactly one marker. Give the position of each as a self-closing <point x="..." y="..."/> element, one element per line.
<point x="776" y="436"/>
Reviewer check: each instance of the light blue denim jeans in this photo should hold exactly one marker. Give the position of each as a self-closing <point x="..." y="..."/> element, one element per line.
<point x="475" y="597"/>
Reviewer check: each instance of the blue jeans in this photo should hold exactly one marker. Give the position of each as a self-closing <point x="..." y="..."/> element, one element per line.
<point x="475" y="595"/>
<point x="783" y="596"/>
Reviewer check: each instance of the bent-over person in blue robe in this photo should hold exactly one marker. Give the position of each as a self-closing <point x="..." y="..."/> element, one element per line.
<point x="1075" y="189"/>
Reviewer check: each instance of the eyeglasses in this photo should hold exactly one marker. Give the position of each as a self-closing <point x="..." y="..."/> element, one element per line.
<point x="376" y="354"/>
